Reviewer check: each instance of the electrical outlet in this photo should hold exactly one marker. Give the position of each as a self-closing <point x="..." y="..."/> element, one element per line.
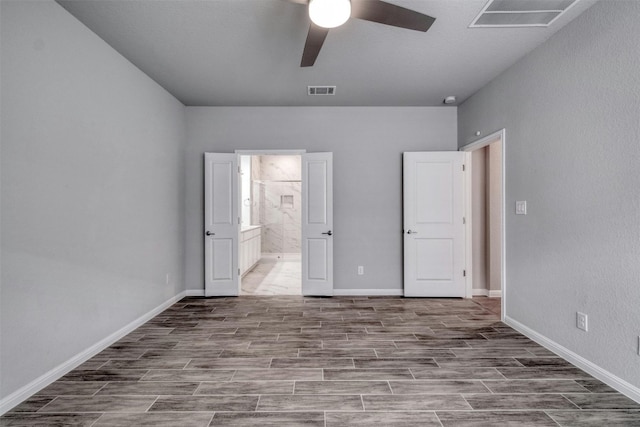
<point x="521" y="207"/>
<point x="582" y="321"/>
<point x="360" y="270"/>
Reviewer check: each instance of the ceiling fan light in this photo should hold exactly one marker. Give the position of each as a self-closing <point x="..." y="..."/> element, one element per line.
<point x="329" y="13"/>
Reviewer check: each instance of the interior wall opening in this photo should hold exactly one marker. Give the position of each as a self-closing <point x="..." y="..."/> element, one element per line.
<point x="486" y="225"/>
<point x="271" y="225"/>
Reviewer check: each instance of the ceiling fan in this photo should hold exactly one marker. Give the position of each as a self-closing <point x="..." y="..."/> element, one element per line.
<point x="327" y="14"/>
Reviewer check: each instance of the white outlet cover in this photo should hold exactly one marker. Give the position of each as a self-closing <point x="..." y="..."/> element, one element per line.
<point x="582" y="321"/>
<point x="521" y="207"/>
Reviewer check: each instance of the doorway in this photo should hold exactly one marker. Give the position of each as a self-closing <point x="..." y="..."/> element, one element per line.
<point x="271" y="230"/>
<point x="485" y="225"/>
<point x="222" y="223"/>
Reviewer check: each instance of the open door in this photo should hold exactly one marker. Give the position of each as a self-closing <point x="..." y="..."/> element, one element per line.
<point x="434" y="245"/>
<point x="317" y="224"/>
<point x="221" y="224"/>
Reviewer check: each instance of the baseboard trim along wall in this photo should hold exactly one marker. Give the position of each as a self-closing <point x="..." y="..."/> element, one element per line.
<point x="367" y="292"/>
<point x="336" y="292"/>
<point x="486" y="293"/>
<point x="629" y="390"/>
<point x="56" y="373"/>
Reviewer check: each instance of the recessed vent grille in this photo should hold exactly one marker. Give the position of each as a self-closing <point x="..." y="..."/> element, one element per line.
<point x="521" y="13"/>
<point x="321" y="90"/>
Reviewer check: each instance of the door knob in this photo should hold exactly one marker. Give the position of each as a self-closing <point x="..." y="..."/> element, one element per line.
<point x="411" y="232"/>
<point x="208" y="233"/>
<point x="328" y="233"/>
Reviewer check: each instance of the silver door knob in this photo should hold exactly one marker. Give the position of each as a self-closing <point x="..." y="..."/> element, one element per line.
<point x="328" y="233"/>
<point x="411" y="232"/>
<point x="208" y="233"/>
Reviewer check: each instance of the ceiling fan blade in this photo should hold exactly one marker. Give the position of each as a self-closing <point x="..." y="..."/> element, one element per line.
<point x="390" y="14"/>
<point x="312" y="46"/>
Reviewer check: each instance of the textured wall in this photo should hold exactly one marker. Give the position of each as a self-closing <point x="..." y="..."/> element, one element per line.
<point x="367" y="144"/>
<point x="571" y="109"/>
<point x="92" y="191"/>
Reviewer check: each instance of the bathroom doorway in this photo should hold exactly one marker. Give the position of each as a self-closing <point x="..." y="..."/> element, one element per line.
<point x="270" y="258"/>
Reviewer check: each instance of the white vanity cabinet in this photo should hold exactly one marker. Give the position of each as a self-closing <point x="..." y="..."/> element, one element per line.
<point x="250" y="248"/>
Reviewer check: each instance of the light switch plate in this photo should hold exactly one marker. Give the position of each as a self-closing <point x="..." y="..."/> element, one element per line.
<point x="521" y="207"/>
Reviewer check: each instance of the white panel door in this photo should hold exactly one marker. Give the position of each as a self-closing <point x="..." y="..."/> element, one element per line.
<point x="221" y="224"/>
<point x="317" y="224"/>
<point x="434" y="233"/>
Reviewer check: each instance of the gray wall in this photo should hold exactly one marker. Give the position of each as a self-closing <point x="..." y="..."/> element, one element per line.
<point x="92" y="201"/>
<point x="571" y="109"/>
<point x="367" y="144"/>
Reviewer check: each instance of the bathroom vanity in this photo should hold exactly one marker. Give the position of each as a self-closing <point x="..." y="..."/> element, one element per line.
<point x="250" y="247"/>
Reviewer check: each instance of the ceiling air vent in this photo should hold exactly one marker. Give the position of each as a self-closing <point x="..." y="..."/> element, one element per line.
<point x="321" y="90"/>
<point x="520" y="13"/>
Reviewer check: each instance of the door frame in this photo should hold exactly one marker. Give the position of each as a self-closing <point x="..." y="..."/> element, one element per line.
<point x="499" y="135"/>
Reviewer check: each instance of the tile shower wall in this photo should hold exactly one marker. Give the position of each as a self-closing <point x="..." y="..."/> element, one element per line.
<point x="277" y="192"/>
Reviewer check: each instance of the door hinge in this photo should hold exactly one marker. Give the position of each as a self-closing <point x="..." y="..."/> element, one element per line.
<point x="239" y="170"/>
<point x="238" y="272"/>
<point x="463" y="168"/>
<point x="464" y="220"/>
<point x="238" y="220"/>
<point x="464" y="273"/>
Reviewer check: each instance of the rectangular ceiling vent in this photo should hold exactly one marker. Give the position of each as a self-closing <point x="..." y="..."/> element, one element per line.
<point x="520" y="13"/>
<point x="321" y="90"/>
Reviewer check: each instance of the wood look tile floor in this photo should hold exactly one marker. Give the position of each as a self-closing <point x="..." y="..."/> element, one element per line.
<point x="295" y="361"/>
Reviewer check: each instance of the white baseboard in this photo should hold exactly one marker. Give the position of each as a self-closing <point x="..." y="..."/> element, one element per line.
<point x="486" y="293"/>
<point x="56" y="373"/>
<point x="367" y="292"/>
<point x="629" y="390"/>
<point x="336" y="292"/>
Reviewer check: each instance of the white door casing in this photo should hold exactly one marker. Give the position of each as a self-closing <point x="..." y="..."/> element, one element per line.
<point x="434" y="230"/>
<point x="221" y="224"/>
<point x="317" y="224"/>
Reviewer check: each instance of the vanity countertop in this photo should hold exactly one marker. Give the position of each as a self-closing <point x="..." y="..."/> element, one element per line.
<point x="249" y="227"/>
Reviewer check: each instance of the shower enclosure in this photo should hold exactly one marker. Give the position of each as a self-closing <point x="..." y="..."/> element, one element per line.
<point x="276" y="195"/>
<point x="278" y="210"/>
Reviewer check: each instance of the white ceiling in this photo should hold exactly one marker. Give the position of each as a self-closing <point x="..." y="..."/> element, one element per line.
<point x="247" y="52"/>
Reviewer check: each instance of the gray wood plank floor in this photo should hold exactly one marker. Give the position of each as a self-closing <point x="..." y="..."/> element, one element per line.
<point x="295" y="361"/>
